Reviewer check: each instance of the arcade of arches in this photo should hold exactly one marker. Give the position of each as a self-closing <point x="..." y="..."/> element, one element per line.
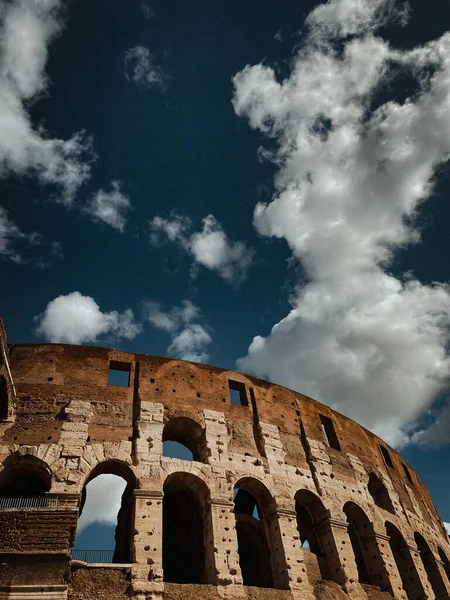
<point x="188" y="533"/>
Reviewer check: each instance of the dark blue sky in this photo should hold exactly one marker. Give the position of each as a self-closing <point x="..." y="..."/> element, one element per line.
<point x="179" y="148"/>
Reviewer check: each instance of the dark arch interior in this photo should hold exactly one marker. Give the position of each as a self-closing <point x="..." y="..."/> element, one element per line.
<point x="357" y="531"/>
<point x="431" y="568"/>
<point x="253" y="547"/>
<point x="24" y="481"/>
<point x="405" y="564"/>
<point x="185" y="432"/>
<point x="379" y="493"/>
<point x="3" y="398"/>
<point x="184" y="551"/>
<point x="310" y="513"/>
<point x="123" y="550"/>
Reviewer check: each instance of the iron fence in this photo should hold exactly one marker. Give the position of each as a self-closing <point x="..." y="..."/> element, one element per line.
<point x="28" y="502"/>
<point x="93" y="556"/>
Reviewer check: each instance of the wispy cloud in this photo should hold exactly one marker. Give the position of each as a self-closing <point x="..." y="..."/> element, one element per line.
<point x="210" y="247"/>
<point x="352" y="175"/>
<point x="140" y="68"/>
<point x="76" y="319"/>
<point x="189" y="339"/>
<point x="110" y="207"/>
<point x="26" y="31"/>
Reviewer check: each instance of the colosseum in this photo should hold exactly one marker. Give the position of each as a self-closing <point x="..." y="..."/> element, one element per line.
<point x="284" y="498"/>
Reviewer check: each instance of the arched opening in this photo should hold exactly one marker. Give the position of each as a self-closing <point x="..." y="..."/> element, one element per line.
<point x="310" y="514"/>
<point x="367" y="556"/>
<point x="259" y="543"/>
<point x="104" y="532"/>
<point x="445" y="562"/>
<point x="379" y="493"/>
<point x="4" y="399"/>
<point x="431" y="567"/>
<point x="24" y="477"/>
<point x="405" y="564"/>
<point x="185" y="439"/>
<point x="188" y="546"/>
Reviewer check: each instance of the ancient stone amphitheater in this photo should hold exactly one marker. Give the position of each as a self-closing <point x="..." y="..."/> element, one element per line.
<point x="284" y="498"/>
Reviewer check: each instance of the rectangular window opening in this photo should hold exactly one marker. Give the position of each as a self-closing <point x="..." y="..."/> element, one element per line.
<point x="407" y="473"/>
<point x="386" y="456"/>
<point x="330" y="433"/>
<point x="238" y="393"/>
<point x="119" y="374"/>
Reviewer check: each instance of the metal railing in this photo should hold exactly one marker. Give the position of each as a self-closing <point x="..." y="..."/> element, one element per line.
<point x="28" y="502"/>
<point x="93" y="556"/>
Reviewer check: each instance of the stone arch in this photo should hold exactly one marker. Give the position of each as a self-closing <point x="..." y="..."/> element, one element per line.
<point x="445" y="562"/>
<point x="379" y="493"/>
<point x="24" y="475"/>
<point x="431" y="567"/>
<point x="123" y="552"/>
<point x="188" y="545"/>
<point x="311" y="513"/>
<point x="369" y="561"/>
<point x="261" y="554"/>
<point x="188" y="433"/>
<point x="405" y="564"/>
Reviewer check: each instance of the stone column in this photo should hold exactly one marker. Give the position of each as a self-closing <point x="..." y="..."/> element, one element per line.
<point x="385" y="572"/>
<point x="422" y="575"/>
<point x="443" y="574"/>
<point x="217" y="436"/>
<point x="226" y="554"/>
<point x="336" y="545"/>
<point x="147" y="570"/>
<point x="293" y="554"/>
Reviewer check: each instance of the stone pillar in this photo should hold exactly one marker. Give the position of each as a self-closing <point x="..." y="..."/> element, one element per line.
<point x="385" y="572"/>
<point x="226" y="554"/>
<point x="443" y="573"/>
<point x="422" y="576"/>
<point x="149" y="428"/>
<point x="273" y="447"/>
<point x="147" y="570"/>
<point x="293" y="554"/>
<point x="217" y="436"/>
<point x="336" y="545"/>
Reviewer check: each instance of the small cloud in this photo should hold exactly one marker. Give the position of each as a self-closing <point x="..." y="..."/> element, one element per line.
<point x="110" y="207"/>
<point x="209" y="247"/>
<point x="447" y="527"/>
<point x="147" y="7"/>
<point x="278" y="37"/>
<point x="20" y="247"/>
<point x="75" y="319"/>
<point x="189" y="339"/>
<point x="141" y="69"/>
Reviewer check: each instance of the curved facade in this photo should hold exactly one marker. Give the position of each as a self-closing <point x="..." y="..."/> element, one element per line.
<point x="284" y="498"/>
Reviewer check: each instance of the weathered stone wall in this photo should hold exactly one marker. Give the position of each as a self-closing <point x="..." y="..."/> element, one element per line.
<point x="306" y="466"/>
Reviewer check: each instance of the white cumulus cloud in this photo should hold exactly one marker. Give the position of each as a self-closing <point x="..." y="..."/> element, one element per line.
<point x="111" y="207"/>
<point x="27" y="28"/>
<point x="352" y="176"/>
<point x="76" y="319"/>
<point x="103" y="500"/>
<point x="209" y="247"/>
<point x="189" y="339"/>
<point x="140" y="68"/>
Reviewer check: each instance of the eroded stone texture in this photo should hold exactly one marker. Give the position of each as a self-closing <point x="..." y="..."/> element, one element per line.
<point x="285" y="498"/>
